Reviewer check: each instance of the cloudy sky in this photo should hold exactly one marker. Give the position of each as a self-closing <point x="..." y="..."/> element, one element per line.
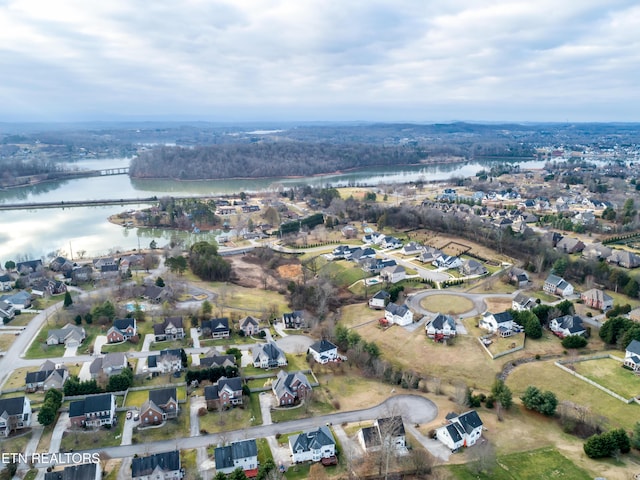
<point x="420" y="60"/>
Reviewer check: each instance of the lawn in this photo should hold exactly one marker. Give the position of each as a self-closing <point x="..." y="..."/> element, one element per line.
<point x="546" y="376"/>
<point x="90" y="439"/>
<point x="6" y="340"/>
<point x="343" y="273"/>
<point x="533" y="465"/>
<point x="123" y="347"/>
<point x="254" y="299"/>
<point x="545" y="297"/>
<point x="447" y="304"/>
<point x="610" y="374"/>
<point x="16" y="443"/>
<point x="500" y="344"/>
<point x="174" y="428"/>
<point x="264" y="452"/>
<point x="16" y="379"/>
<point x="318" y="406"/>
<point x="188" y="461"/>
<point x="233" y="339"/>
<point x="39" y="348"/>
<point x="236" y="418"/>
<point x="138" y="397"/>
<point x="357" y="314"/>
<point x="21" y="320"/>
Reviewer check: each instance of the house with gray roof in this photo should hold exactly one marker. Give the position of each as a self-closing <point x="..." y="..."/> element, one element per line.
<point x="213" y="359"/>
<point x="556" y="285"/>
<point x="441" y="327"/>
<point x="385" y="431"/>
<point x="313" y="446"/>
<point x="84" y="471"/>
<point x="393" y="274"/>
<point x="161" y="405"/>
<point x="69" y="335"/>
<point x="215" y="328"/>
<point x="20" y="300"/>
<point x="160" y="466"/>
<point x="93" y="411"/>
<point x="7" y="311"/>
<point x="242" y="454"/>
<point x="472" y="267"/>
<point x="15" y="414"/>
<point x="522" y="302"/>
<point x="398" y="314"/>
<point x="461" y="430"/>
<point x="122" y="329"/>
<point x="249" y="325"/>
<point x="268" y="355"/>
<point x="225" y="392"/>
<point x="567" y="325"/>
<point x="171" y="328"/>
<point x="293" y="320"/>
<point x="596" y="298"/>
<point x="632" y="356"/>
<point x="290" y="388"/>
<point x="624" y="259"/>
<point x="112" y="363"/>
<point x="379" y="300"/>
<point x="501" y="323"/>
<point x="169" y="360"/>
<point x="49" y="376"/>
<point x="324" y="351"/>
<point x="6" y="282"/>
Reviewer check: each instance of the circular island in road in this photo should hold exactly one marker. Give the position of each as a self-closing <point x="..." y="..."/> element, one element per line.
<point x="449" y="304"/>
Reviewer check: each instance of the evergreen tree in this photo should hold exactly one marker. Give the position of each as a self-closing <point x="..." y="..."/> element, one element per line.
<point x="68" y="301"/>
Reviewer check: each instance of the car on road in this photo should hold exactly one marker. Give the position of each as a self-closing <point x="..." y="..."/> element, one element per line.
<point x="129" y="415"/>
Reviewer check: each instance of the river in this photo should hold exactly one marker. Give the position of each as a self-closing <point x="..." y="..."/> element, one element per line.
<point x="28" y="234"/>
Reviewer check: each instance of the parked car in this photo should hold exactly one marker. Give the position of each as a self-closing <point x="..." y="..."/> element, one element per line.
<point x="129" y="415"/>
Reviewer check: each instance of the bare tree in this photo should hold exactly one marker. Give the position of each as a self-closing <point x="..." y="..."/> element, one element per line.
<point x="483" y="456"/>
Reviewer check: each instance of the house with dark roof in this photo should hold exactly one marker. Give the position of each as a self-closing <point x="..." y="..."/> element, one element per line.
<point x="290" y="388"/>
<point x="375" y="265"/>
<point x="500" y="323"/>
<point x="93" y="411"/>
<point x="557" y="286"/>
<point x="324" y="351"/>
<point x="80" y="274"/>
<point x="461" y="430"/>
<point x="379" y="300"/>
<point x="171" y="328"/>
<point x="49" y="376"/>
<point x="170" y="360"/>
<point x="226" y="392"/>
<point x="249" y="325"/>
<point x="161" y="405"/>
<point x="61" y="264"/>
<point x="20" y="300"/>
<point x="160" y="466"/>
<point x="15" y="414"/>
<point x="242" y="454"/>
<point x="441" y="327"/>
<point x="7" y="311"/>
<point x="313" y="446"/>
<point x="624" y="258"/>
<point x="598" y="299"/>
<point x="155" y="294"/>
<point x="632" y="356"/>
<point x="84" y="471"/>
<point x="388" y="431"/>
<point x="212" y="359"/>
<point x="268" y="355"/>
<point x="216" y="328"/>
<point x="398" y="314"/>
<point x="112" y="363"/>
<point x="6" y="282"/>
<point x="472" y="267"/>
<point x="25" y="268"/>
<point x="122" y="330"/>
<point x="293" y="320"/>
<point x="45" y="286"/>
<point x="69" y="335"/>
<point x="567" y="325"/>
<point x="522" y="302"/>
<point x="393" y="274"/>
<point x="570" y="245"/>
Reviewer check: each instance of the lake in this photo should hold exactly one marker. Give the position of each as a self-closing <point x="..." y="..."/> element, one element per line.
<point x="27" y="234"/>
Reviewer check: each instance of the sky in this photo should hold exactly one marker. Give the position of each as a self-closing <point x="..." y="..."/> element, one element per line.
<point x="320" y="60"/>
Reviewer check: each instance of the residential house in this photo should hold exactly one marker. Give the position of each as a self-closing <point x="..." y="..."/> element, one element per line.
<point x="155" y="294"/>
<point x="376" y="265"/>
<point x="361" y="254"/>
<point x="6" y="282"/>
<point x="109" y="364"/>
<point x="398" y="314"/>
<point x="15" y="414"/>
<point x="93" y="411"/>
<point x="461" y="430"/>
<point x="324" y="351"/>
<point x="293" y="320"/>
<point x="500" y="323"/>
<point x="30" y="266"/>
<point x="225" y="392"/>
<point x="212" y="359"/>
<point x="632" y="356"/>
<point x="412" y="248"/>
<point x="249" y="325"/>
<point x="123" y="329"/>
<point x="216" y="328"/>
<point x="473" y="267"/>
<point x="313" y="446"/>
<point x="268" y="355"/>
<point x="242" y="454"/>
<point x="290" y="387"/>
<point x="128" y="261"/>
<point x="393" y="274"/>
<point x="69" y="335"/>
<point x="570" y="245"/>
<point x="167" y="361"/>
<point x="598" y="299"/>
<point x="447" y="262"/>
<point x="518" y="277"/>
<point x="61" y="264"/>
<point x="441" y="327"/>
<point x="379" y="300"/>
<point x="596" y="251"/>
<point x="7" y="311"/>
<point x="584" y="218"/>
<point x="385" y="431"/>
<point x="83" y="471"/>
<point x="430" y="255"/>
<point x="80" y="274"/>
<point x="44" y="287"/>
<point x="624" y="259"/>
<point x="557" y="286"/>
<point x="171" y="328"/>
<point x="105" y="265"/>
<point x="390" y="242"/>
<point x="522" y="302"/>
<point x="369" y="438"/>
<point x="342" y="252"/>
<point x="161" y="405"/>
<point x="20" y="300"/>
<point x="49" y="376"/>
<point x="159" y="466"/>
<point x="567" y="325"/>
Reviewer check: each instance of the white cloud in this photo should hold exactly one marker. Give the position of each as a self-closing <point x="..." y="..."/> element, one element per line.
<point x="383" y="59"/>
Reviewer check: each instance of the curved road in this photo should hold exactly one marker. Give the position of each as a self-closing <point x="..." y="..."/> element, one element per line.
<point x="479" y="306"/>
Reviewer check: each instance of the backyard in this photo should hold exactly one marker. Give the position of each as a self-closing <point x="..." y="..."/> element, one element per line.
<point x="610" y="374"/>
<point x="82" y="439"/>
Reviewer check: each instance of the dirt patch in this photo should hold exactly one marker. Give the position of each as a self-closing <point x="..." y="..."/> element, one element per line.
<point x="290" y="272"/>
<point x="267" y="271"/>
<point x="496" y="305"/>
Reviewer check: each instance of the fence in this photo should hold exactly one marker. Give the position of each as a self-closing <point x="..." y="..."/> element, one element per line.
<point x="500" y="354"/>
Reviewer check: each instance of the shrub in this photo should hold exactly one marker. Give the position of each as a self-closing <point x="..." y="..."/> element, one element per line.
<point x="574" y="341"/>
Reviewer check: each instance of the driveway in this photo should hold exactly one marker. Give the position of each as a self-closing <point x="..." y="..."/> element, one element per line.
<point x="433" y="446"/>
<point x="127" y="430"/>
<point x="70" y="351"/>
<point x="246" y="359"/>
<point x="197" y="403"/>
<point x="58" y="430"/>
<point x="97" y="345"/>
<point x="142" y="360"/>
<point x="295" y="343"/>
<point x="85" y="373"/>
<point x="195" y="336"/>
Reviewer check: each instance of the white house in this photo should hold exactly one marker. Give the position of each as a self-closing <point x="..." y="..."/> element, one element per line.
<point x="501" y="323"/>
<point x="379" y="300"/>
<point x="388" y="431"/>
<point x="398" y="314"/>
<point x="6" y="310"/>
<point x="412" y="248"/>
<point x="441" y="327"/>
<point x="632" y="356"/>
<point x="447" y="262"/>
<point x="324" y="351"/>
<point x="567" y="325"/>
<point x="522" y="302"/>
<point x="268" y="355"/>
<point x="461" y="431"/>
<point x="393" y="274"/>
<point x="313" y="446"/>
<point x="15" y="414"/>
<point x="557" y="286"/>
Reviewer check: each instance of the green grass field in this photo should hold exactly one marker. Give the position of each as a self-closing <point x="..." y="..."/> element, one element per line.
<point x="174" y="428"/>
<point x="534" y="465"/>
<point x="99" y="438"/>
<point x="610" y="374"/>
<point x="447" y="304"/>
